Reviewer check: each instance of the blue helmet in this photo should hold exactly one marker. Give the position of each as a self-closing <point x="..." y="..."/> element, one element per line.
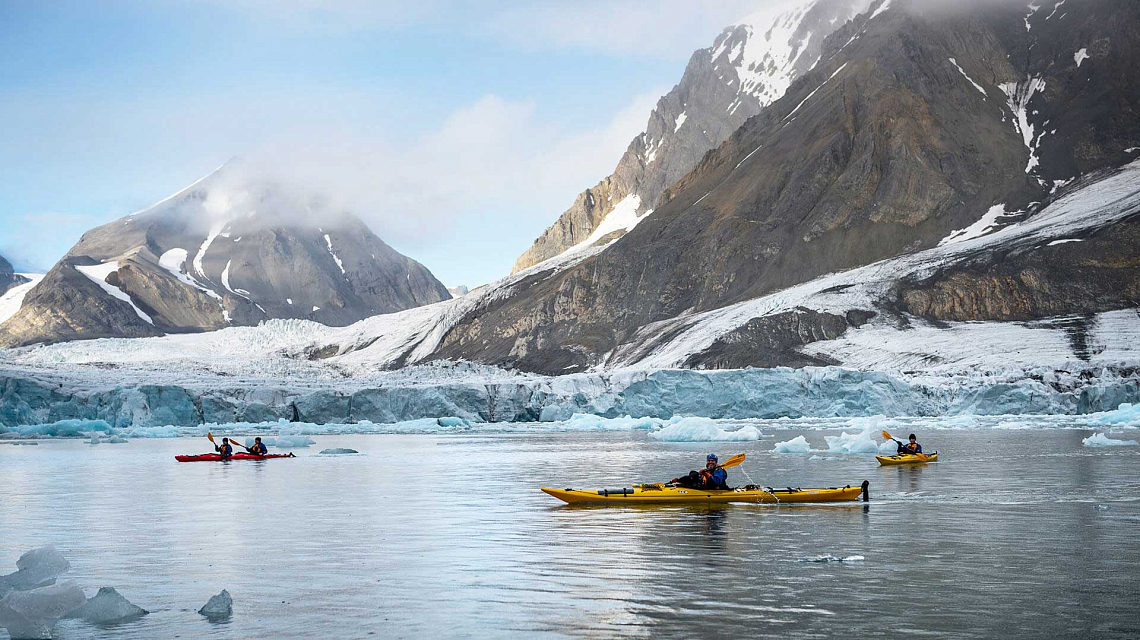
<point x="712" y="456"/>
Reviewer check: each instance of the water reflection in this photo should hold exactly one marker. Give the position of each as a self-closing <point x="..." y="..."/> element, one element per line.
<point x="322" y="546"/>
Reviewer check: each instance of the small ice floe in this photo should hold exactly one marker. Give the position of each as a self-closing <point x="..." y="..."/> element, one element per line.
<point x="107" y="606"/>
<point x="703" y="430"/>
<point x="1102" y="507"/>
<point x="219" y="606"/>
<point x="798" y="444"/>
<point x="292" y="442"/>
<point x="33" y="613"/>
<point x="337" y="451"/>
<point x="36" y="568"/>
<point x="831" y="558"/>
<point x="1101" y="440"/>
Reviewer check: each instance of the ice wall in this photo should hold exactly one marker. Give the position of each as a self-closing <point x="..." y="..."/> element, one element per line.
<point x="743" y="393"/>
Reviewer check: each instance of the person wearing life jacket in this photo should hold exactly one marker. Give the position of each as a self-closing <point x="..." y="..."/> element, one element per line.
<point x="225" y="449"/>
<point x="258" y="448"/>
<point x="911" y="447"/>
<point x="711" y="477"/>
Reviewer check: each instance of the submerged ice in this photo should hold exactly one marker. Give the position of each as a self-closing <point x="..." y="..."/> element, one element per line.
<point x="33" y="613"/>
<point x="107" y="606"/>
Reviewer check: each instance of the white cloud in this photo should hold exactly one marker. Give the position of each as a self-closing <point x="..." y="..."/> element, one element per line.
<point x="652" y="28"/>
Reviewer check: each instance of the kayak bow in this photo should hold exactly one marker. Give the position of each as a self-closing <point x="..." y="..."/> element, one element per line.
<point x="674" y="494"/>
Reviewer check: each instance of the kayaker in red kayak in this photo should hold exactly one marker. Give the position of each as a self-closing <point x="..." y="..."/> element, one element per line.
<point x="225" y="449"/>
<point x="909" y="448"/>
<point x="711" y="477"/>
<point x="258" y="449"/>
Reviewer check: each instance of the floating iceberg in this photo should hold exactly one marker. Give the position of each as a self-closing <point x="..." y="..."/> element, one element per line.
<point x="32" y="614"/>
<point x="590" y="422"/>
<point x="291" y="442"/>
<point x="1125" y="415"/>
<point x="703" y="430"/>
<point x="798" y="444"/>
<point x="337" y="452"/>
<point x="219" y="606"/>
<point x="1101" y="440"/>
<point x="36" y="568"/>
<point x="861" y="442"/>
<point x="107" y="606"/>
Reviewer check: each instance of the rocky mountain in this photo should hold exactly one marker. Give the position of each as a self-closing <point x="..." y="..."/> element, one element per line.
<point x="8" y="278"/>
<point x="232" y="249"/>
<point x="749" y="65"/>
<point x="935" y="151"/>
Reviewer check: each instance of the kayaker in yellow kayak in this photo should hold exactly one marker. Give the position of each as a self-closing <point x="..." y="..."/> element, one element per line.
<point x="258" y="448"/>
<point x="909" y="448"/>
<point x="711" y="477"/>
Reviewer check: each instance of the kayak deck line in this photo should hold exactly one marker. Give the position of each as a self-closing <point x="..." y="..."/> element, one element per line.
<point x="662" y="493"/>
<point x="906" y="458"/>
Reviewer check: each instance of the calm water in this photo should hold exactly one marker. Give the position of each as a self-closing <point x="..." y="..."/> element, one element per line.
<point x="1016" y="533"/>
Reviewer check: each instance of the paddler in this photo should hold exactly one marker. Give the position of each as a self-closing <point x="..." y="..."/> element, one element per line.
<point x="258" y="448"/>
<point x="225" y="449"/>
<point x="711" y="477"/>
<point x="909" y="448"/>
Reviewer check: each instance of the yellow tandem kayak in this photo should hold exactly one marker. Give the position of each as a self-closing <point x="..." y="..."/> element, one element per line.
<point x="907" y="459"/>
<point x="672" y="494"/>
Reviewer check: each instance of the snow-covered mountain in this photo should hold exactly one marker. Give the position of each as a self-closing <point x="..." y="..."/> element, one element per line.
<point x="921" y="130"/>
<point x="749" y="65"/>
<point x="234" y="248"/>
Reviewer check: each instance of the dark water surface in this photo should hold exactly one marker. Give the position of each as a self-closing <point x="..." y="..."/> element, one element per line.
<point x="1014" y="534"/>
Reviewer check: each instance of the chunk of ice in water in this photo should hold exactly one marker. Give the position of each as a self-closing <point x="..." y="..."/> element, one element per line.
<point x="32" y="614"/>
<point x="703" y="430"/>
<point x="107" y="606"/>
<point x="852" y="442"/>
<point x="293" y="442"/>
<point x="219" y="606"/>
<point x="798" y="444"/>
<point x="1101" y="440"/>
<point x="36" y="568"/>
<point x="338" y="451"/>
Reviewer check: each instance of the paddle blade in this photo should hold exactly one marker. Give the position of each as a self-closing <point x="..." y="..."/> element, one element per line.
<point x="211" y="437"/>
<point x="734" y="461"/>
<point x="887" y="436"/>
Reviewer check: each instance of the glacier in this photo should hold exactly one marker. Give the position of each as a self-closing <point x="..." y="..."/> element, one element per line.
<point x="48" y="405"/>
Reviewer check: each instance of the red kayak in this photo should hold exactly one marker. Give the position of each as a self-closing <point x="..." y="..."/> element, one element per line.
<point x="213" y="457"/>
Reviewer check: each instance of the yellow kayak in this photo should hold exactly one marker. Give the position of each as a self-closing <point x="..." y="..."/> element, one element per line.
<point x="673" y="494"/>
<point x="907" y="459"/>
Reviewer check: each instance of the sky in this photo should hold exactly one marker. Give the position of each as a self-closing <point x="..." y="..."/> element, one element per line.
<point x="458" y="131"/>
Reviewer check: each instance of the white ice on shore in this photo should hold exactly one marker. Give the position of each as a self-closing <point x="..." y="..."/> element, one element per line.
<point x="1101" y="440"/>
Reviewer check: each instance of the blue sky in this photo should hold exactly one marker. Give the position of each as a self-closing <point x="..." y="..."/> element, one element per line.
<point x="457" y="130"/>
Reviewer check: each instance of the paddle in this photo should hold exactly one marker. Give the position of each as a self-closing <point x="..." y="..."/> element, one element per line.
<point x="921" y="456"/>
<point x="232" y="441"/>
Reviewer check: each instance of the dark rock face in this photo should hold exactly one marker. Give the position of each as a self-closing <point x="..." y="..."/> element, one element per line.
<point x="229" y="250"/>
<point x="884" y="147"/>
<point x="771" y="341"/>
<point x="747" y="68"/>
<point x="8" y="278"/>
<point x="1100" y="272"/>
